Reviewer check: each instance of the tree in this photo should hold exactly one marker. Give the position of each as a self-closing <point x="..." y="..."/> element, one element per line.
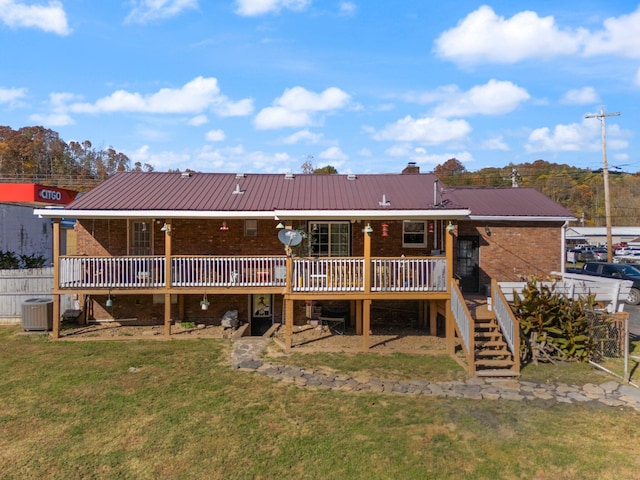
<point x="449" y="168"/>
<point x="326" y="170"/>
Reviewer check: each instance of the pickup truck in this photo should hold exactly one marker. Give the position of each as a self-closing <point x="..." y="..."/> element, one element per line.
<point x="622" y="271"/>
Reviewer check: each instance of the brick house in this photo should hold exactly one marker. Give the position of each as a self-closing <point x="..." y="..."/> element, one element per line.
<point x="162" y="247"/>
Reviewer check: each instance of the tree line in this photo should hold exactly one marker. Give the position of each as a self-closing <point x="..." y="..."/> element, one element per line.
<point x="38" y="154"/>
<point x="579" y="190"/>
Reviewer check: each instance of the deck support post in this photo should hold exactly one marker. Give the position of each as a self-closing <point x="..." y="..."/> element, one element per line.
<point x="450" y="329"/>
<point x="56" y="279"/>
<point x="167" y="315"/>
<point x="433" y="318"/>
<point x="366" y="321"/>
<point x="167" y="279"/>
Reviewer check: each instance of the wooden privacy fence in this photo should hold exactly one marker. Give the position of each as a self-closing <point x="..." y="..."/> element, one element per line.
<point x="17" y="286"/>
<point x="610" y="292"/>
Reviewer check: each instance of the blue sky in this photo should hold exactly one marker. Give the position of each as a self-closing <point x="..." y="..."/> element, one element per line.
<point x="260" y="86"/>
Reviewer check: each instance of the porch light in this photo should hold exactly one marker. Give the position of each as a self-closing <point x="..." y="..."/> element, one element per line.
<point x="166" y="228"/>
<point x="385" y="229"/>
<point x="224" y="227"/>
<point x="109" y="302"/>
<point x="487" y="230"/>
<point x="450" y="227"/>
<point x="279" y="226"/>
<point x="368" y="228"/>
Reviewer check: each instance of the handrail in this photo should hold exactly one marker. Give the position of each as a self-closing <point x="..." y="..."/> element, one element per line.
<point x="509" y="324"/>
<point x="220" y="271"/>
<point x="409" y="274"/>
<point x="465" y="324"/>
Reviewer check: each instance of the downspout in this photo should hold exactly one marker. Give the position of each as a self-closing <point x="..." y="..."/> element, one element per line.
<point x="563" y="247"/>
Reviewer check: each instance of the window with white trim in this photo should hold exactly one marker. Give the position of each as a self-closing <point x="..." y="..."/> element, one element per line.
<point x="413" y="234"/>
<point x="251" y="228"/>
<point x="140" y="238"/>
<point x="330" y="239"/>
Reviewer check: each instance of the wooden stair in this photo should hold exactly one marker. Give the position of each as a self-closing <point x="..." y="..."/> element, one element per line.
<point x="492" y="356"/>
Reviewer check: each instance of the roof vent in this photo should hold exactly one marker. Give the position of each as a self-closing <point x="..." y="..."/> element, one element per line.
<point x="240" y="175"/>
<point x="185" y="174"/>
<point x="289" y="176"/>
<point x="237" y="191"/>
<point x="384" y="202"/>
<point x="352" y="176"/>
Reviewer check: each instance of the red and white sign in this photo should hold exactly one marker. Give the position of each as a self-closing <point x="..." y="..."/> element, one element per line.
<point x="34" y="193"/>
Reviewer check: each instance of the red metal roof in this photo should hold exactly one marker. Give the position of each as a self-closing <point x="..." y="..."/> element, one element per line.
<point x="260" y="192"/>
<point x="506" y="202"/>
<point x="213" y="192"/>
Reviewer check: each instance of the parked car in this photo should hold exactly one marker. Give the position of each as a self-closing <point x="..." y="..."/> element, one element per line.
<point x="600" y="254"/>
<point x="575" y="255"/>
<point x="621" y="271"/>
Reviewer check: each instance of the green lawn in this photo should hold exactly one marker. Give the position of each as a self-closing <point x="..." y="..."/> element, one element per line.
<point x="155" y="409"/>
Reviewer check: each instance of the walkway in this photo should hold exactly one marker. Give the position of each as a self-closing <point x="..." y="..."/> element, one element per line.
<point x="247" y="352"/>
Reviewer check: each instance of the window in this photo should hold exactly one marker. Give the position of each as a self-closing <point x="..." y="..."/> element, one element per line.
<point x="329" y="239"/>
<point x="413" y="234"/>
<point x="251" y="228"/>
<point x="140" y="238"/>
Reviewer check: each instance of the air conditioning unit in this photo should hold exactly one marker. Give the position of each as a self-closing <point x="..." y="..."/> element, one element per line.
<point x="37" y="314"/>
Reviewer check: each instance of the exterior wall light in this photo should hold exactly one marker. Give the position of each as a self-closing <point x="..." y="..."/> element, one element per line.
<point x="450" y="227"/>
<point x="368" y="228"/>
<point x="487" y="230"/>
<point x="166" y="228"/>
<point x="279" y="226"/>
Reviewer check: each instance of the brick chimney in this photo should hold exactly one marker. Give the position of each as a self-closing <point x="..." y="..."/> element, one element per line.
<point x="411" y="168"/>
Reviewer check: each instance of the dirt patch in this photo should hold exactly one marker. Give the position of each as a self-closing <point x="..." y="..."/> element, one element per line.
<point x="306" y="339"/>
<point x="120" y="331"/>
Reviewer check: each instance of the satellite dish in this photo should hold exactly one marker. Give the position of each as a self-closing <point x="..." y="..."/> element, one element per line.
<point x="289" y="237"/>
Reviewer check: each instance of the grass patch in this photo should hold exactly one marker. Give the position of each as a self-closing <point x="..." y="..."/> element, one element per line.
<point x="149" y="409"/>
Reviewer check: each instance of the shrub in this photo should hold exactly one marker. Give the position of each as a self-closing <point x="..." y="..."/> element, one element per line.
<point x="552" y="325"/>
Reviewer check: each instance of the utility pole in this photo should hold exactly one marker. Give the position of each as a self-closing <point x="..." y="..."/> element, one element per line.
<point x="605" y="174"/>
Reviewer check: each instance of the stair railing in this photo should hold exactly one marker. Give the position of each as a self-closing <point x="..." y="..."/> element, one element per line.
<point x="465" y="326"/>
<point x="508" y="322"/>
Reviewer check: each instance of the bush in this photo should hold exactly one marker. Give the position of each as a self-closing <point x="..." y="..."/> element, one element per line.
<point x="11" y="261"/>
<point x="552" y="325"/>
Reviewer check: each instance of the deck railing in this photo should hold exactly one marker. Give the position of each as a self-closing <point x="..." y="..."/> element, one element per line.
<point x="337" y="274"/>
<point x="409" y="274"/>
<point x="341" y="274"/>
<point x="111" y="272"/>
<point x="190" y="271"/>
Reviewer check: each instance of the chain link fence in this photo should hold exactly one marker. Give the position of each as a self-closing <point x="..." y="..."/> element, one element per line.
<point x="610" y="336"/>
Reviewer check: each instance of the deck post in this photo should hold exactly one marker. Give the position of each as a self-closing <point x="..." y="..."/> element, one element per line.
<point x="56" y="278"/>
<point x="358" y="317"/>
<point x="167" y="279"/>
<point x="449" y="238"/>
<point x="288" y="306"/>
<point x="366" y="327"/>
<point x="433" y="318"/>
<point x="450" y="329"/>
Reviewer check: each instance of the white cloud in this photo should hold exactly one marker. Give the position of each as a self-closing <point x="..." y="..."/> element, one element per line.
<point x="493" y="98"/>
<point x="365" y="152"/>
<point x="421" y="156"/>
<point x="215" y="136"/>
<point x="333" y="154"/>
<point x="496" y="143"/>
<point x="194" y="97"/>
<point x="12" y="95"/>
<point x="149" y="10"/>
<point x="483" y="36"/>
<point x="426" y="130"/>
<point x="198" y="120"/>
<point x="576" y="137"/>
<point x="347" y="9"/>
<point x="51" y="18"/>
<point x="305" y="136"/>
<point x="295" y="108"/>
<point x="580" y="96"/>
<point x="250" y="8"/>
<point x="618" y="37"/>
<point x="52" y="120"/>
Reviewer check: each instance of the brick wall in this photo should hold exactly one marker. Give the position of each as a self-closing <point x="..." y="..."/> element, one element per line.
<point x="515" y="251"/>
